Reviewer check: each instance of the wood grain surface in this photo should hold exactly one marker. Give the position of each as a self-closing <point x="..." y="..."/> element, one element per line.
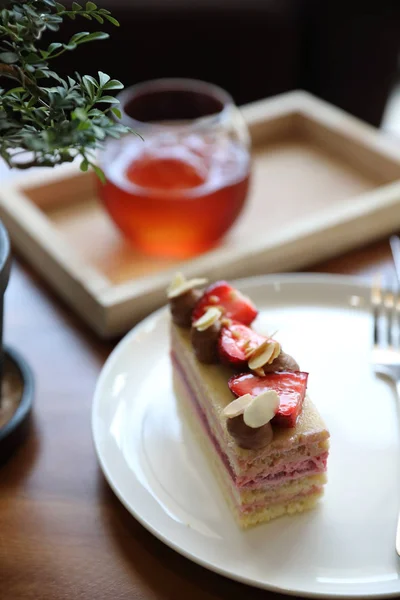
<point x="63" y="534"/>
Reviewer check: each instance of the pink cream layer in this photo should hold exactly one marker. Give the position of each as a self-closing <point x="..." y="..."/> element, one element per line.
<point x="311" y="466"/>
<point x="294" y="470"/>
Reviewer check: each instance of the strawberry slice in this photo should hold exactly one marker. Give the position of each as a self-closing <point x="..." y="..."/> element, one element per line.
<point x="234" y="340"/>
<point x="290" y="386"/>
<point x="233" y="304"/>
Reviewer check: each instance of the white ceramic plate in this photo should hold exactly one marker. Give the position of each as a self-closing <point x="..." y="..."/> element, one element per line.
<point x="345" y="547"/>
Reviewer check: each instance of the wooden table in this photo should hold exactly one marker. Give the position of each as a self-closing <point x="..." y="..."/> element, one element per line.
<point x="63" y="534"/>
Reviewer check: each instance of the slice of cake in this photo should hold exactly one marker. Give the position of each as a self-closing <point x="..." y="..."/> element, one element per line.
<point x="246" y="401"/>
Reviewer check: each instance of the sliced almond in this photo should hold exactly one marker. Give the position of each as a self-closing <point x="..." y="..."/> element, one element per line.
<point x="260" y="372"/>
<point x="276" y="352"/>
<point x="264" y="354"/>
<point x="180" y="285"/>
<point x="249" y="350"/>
<point x="211" y="316"/>
<point x="237" y="407"/>
<point x="261" y="409"/>
<point x="177" y="281"/>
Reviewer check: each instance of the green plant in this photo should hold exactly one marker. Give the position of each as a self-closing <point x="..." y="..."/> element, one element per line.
<point x="46" y="120"/>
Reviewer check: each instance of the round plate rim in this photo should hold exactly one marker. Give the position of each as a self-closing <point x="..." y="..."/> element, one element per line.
<point x="306" y="278"/>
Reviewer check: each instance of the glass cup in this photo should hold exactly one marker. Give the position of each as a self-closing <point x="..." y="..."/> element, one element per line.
<point x="176" y="188"/>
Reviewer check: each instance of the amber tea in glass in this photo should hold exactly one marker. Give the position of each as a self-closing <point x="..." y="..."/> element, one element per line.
<point x="176" y="190"/>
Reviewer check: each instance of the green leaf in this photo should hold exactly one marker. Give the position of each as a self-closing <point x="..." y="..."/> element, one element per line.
<point x="69" y="46"/>
<point x="32" y="58"/>
<point x="53" y="75"/>
<point x="16" y="90"/>
<point x="98" y="18"/>
<point x="9" y="57"/>
<point x="103" y="78"/>
<point x="80" y="114"/>
<point x="54" y="46"/>
<point x="84" y="165"/>
<point x="53" y="26"/>
<point x="96" y="35"/>
<point x="84" y="125"/>
<point x="114" y="84"/>
<point x="99" y="173"/>
<point x="116" y="112"/>
<point x="99" y="132"/>
<point x="89" y="85"/>
<point x="76" y="6"/>
<point x="122" y="129"/>
<point x="53" y="19"/>
<point x="113" y="134"/>
<point x="40" y="73"/>
<point x="77" y="36"/>
<point x="60" y="7"/>
<point x="86" y="16"/>
<point x="30" y="11"/>
<point x="92" y="80"/>
<point x="90" y="6"/>
<point x="112" y="20"/>
<point x="108" y="100"/>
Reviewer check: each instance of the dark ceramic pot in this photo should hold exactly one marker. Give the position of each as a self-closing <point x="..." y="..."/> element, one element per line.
<point x="5" y="267"/>
<point x="16" y="380"/>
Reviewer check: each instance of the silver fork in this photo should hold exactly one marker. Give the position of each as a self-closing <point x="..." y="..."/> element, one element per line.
<point x="386" y="348"/>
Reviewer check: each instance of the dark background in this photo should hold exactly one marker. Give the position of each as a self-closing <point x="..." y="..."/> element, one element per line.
<point x="345" y="52"/>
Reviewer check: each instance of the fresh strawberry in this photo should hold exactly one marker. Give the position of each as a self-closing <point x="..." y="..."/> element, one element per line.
<point x="234" y="343"/>
<point x="290" y="386"/>
<point x="233" y="304"/>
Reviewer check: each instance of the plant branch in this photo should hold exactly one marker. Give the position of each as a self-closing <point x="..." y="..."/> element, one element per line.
<point x="10" y="72"/>
<point x="17" y="74"/>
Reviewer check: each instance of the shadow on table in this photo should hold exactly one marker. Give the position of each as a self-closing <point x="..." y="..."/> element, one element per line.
<point x="166" y="572"/>
<point x="16" y="467"/>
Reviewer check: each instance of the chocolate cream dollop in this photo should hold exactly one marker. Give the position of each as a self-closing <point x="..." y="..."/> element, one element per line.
<point x="205" y="343"/>
<point x="249" y="438"/>
<point x="249" y="419"/>
<point x="182" y="306"/>
<point x="284" y="362"/>
<point x="204" y="335"/>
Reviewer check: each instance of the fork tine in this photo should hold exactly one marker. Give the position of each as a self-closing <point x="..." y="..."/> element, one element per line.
<point x="376" y="299"/>
<point x="389" y="310"/>
<point x="376" y="324"/>
<point x="396" y="316"/>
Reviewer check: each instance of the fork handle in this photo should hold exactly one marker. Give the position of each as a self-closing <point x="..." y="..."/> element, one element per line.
<point x="398" y="518"/>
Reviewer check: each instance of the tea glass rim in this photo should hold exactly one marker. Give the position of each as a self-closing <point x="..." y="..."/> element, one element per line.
<point x="177" y="84"/>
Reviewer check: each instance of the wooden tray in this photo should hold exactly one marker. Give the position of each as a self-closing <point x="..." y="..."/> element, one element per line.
<point x="323" y="183"/>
